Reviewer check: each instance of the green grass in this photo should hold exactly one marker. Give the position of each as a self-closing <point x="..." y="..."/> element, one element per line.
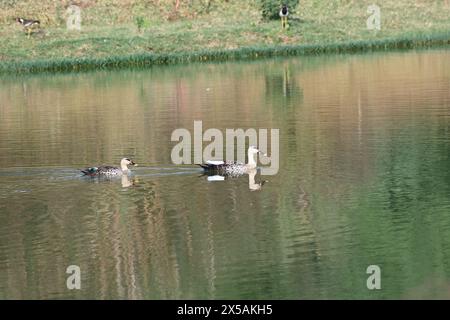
<point x="231" y="30"/>
<point x="150" y="59"/>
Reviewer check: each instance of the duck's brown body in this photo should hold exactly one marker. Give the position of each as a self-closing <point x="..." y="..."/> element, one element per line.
<point x="230" y="168"/>
<point x="109" y="171"/>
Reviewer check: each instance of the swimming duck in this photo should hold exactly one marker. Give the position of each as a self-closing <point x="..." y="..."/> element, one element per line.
<point x="284" y="12"/>
<point x="109" y="170"/>
<point x="232" y="168"/>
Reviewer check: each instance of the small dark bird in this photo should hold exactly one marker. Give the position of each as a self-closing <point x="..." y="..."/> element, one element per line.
<point x="284" y="12"/>
<point x="28" y="24"/>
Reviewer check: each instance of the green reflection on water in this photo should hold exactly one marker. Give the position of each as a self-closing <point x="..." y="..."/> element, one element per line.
<point x="364" y="179"/>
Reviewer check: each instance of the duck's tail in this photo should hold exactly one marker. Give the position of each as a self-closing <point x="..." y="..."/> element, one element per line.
<point x="89" y="171"/>
<point x="86" y="173"/>
<point x="205" y="167"/>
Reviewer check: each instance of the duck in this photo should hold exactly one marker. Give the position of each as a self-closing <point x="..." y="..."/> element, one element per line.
<point x="109" y="171"/>
<point x="284" y="12"/>
<point x="232" y="168"/>
<point x="28" y="24"/>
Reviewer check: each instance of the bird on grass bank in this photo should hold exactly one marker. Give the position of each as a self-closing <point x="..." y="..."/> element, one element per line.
<point x="109" y="171"/>
<point x="232" y="168"/>
<point x="28" y="24"/>
<point x="284" y="13"/>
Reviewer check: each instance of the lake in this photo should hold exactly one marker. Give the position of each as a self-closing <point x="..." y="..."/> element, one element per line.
<point x="363" y="180"/>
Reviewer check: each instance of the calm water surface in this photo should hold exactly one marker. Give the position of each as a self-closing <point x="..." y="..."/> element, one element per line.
<point x="364" y="179"/>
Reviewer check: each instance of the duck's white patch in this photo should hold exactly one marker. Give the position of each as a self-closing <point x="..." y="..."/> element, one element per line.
<point x="216" y="178"/>
<point x="215" y="162"/>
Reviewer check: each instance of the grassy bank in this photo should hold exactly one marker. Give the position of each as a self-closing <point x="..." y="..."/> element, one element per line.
<point x="149" y="59"/>
<point x="227" y="30"/>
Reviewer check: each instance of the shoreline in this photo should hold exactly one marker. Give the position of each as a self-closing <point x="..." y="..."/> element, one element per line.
<point x="64" y="65"/>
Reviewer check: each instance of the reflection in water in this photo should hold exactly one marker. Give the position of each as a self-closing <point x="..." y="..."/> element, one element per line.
<point x="126" y="181"/>
<point x="281" y="86"/>
<point x="367" y="137"/>
<point x="286" y="81"/>
<point x="252" y="184"/>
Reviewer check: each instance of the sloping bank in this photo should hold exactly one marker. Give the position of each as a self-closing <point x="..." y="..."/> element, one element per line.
<point x="151" y="59"/>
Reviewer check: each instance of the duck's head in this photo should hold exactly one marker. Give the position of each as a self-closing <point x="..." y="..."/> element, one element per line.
<point x="252" y="150"/>
<point x="125" y="162"/>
